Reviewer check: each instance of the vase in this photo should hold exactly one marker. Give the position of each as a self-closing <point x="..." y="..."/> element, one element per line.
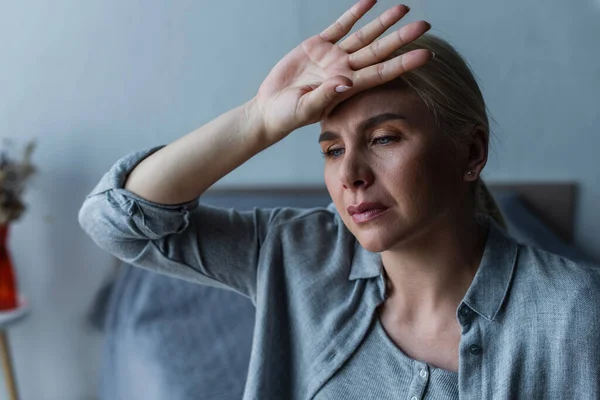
<point x="8" y="282"/>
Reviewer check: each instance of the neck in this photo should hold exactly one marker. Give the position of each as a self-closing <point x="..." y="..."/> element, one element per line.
<point x="429" y="275"/>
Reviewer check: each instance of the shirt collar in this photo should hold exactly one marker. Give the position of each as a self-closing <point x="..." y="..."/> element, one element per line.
<point x="491" y="282"/>
<point x="365" y="264"/>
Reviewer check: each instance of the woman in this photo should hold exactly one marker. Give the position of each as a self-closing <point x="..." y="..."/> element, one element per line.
<point x="406" y="286"/>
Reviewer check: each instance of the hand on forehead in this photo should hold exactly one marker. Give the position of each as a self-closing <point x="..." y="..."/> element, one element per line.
<point x="387" y="99"/>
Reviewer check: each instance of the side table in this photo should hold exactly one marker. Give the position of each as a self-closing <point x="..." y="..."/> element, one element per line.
<point x="8" y="318"/>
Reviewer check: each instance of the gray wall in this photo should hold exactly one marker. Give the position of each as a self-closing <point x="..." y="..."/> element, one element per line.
<point x="94" y="80"/>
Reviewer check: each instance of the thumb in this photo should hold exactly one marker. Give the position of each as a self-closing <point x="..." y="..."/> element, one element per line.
<point x="329" y="92"/>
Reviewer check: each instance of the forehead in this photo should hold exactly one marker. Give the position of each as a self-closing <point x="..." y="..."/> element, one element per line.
<point x="375" y="101"/>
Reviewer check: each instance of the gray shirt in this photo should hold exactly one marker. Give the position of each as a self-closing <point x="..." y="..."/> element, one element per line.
<point x="378" y="369"/>
<point x="530" y="319"/>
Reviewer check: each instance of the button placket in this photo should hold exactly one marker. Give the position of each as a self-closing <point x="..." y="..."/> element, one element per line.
<point x="419" y="381"/>
<point x="465" y="314"/>
<point x="470" y="350"/>
<point x="464" y="311"/>
<point x="475" y="349"/>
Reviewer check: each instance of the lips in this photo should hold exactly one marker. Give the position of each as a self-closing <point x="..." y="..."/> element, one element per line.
<point x="364" y="212"/>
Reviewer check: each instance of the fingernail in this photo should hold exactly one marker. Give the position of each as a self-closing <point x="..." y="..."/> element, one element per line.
<point x="342" y="88"/>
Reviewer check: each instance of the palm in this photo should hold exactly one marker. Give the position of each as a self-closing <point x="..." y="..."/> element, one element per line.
<point x="299" y="72"/>
<point x="312" y="62"/>
<point x="298" y="91"/>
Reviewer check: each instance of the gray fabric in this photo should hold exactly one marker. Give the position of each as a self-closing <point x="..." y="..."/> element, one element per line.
<point x="379" y="370"/>
<point x="530" y="318"/>
<point x="165" y="340"/>
<point x="144" y="310"/>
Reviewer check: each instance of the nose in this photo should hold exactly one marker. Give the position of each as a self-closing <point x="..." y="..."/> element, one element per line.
<point x="355" y="172"/>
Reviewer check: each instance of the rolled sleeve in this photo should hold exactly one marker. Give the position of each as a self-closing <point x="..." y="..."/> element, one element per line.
<point x="108" y="203"/>
<point x="207" y="245"/>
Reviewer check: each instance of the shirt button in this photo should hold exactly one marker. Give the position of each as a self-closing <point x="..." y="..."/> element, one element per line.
<point x="423" y="374"/>
<point x="464" y="311"/>
<point x="414" y="398"/>
<point x="475" y="349"/>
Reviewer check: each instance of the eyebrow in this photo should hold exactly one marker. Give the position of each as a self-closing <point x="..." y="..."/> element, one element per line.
<point x="365" y="125"/>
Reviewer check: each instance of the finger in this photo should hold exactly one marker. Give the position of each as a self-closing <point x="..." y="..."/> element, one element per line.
<point x="389" y="70"/>
<point x="314" y="103"/>
<point x="366" y="35"/>
<point x="383" y="48"/>
<point x="343" y="24"/>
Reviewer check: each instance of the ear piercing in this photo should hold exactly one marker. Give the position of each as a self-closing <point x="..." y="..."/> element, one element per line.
<point x="471" y="173"/>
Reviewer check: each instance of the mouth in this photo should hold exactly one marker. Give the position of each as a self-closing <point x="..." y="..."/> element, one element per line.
<point x="365" y="212"/>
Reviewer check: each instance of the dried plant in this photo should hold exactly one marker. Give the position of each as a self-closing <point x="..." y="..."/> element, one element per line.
<point x="14" y="175"/>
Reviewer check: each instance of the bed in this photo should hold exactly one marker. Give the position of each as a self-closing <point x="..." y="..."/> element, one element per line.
<point x="169" y="339"/>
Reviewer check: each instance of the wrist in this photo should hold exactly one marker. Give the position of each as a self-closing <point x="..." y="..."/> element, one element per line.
<point x="254" y="124"/>
<point x="255" y="118"/>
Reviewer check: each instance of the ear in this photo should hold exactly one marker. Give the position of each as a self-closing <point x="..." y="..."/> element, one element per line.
<point x="478" y="153"/>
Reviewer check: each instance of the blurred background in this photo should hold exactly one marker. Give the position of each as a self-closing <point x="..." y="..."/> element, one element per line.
<point x="95" y="80"/>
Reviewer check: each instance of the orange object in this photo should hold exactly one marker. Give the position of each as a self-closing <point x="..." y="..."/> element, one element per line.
<point x="8" y="282"/>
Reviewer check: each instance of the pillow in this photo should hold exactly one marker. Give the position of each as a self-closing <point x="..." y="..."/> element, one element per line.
<point x="526" y="227"/>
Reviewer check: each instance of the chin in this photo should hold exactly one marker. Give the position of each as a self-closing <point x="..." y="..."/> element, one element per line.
<point x="383" y="237"/>
<point x="373" y="243"/>
<point x="380" y="235"/>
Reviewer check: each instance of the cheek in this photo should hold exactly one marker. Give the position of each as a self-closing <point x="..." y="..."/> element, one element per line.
<point x="412" y="177"/>
<point x="404" y="168"/>
<point x="444" y="165"/>
<point x="432" y="179"/>
<point x="411" y="182"/>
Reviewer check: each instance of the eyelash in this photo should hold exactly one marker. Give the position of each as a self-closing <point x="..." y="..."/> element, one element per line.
<point x="329" y="153"/>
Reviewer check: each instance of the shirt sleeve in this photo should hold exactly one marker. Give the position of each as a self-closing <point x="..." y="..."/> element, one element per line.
<point x="202" y="244"/>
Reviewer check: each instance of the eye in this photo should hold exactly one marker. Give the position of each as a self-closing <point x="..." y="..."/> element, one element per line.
<point x="333" y="153"/>
<point x="383" y="140"/>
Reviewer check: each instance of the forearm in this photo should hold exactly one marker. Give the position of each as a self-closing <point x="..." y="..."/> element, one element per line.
<point x="183" y="170"/>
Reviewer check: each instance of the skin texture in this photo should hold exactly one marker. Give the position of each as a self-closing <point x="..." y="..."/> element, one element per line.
<point x="406" y="164"/>
<point x="430" y="242"/>
<point x="325" y="69"/>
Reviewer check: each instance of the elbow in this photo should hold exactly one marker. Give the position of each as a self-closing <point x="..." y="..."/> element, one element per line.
<point x="105" y="230"/>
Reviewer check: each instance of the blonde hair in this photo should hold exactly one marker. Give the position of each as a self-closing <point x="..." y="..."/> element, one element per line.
<point x="448" y="87"/>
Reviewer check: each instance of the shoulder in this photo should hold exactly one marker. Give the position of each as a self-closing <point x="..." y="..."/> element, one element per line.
<point x="558" y="285"/>
<point x="556" y="271"/>
<point x="314" y="239"/>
